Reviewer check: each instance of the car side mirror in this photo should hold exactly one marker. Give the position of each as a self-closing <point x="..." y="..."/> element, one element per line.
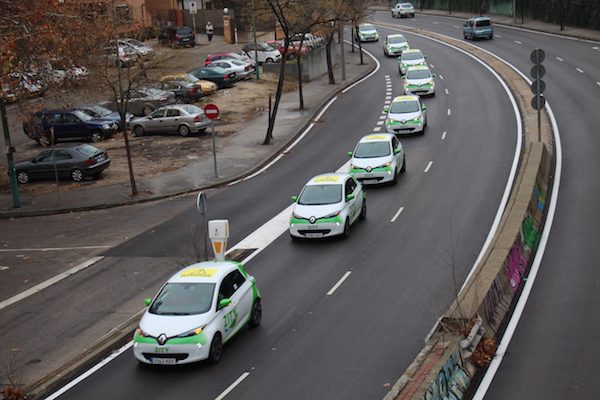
<point x="350" y="197"/>
<point x="224" y="303"/>
<point x="147" y="301"/>
<point x="424" y="108"/>
<point x="386" y="108"/>
<point x="349" y="154"/>
<point x="398" y="150"/>
<point x="294" y="199"/>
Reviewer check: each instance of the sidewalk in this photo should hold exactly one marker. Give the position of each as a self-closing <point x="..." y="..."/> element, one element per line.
<point x="237" y="156"/>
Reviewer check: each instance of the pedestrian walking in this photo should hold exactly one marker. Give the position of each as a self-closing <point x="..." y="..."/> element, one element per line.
<point x="210" y="29"/>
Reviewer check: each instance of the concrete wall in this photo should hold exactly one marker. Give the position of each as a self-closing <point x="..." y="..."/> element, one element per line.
<point x="314" y="64"/>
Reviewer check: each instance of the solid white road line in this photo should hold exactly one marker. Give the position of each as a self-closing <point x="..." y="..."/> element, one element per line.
<point x="444" y="135"/>
<point x="395" y="217"/>
<point x="517" y="42"/>
<point x="232" y="386"/>
<point x="337" y="285"/>
<point x="596" y="48"/>
<point x="560" y="59"/>
<point x="368" y="76"/>
<point x="447" y="92"/>
<point x="428" y="166"/>
<point x="579" y="70"/>
<point x="47" y="283"/>
<point x="54" y="249"/>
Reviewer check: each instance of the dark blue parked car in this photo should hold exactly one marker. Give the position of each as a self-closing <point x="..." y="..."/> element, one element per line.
<point x="67" y="125"/>
<point x="478" y="27"/>
<point x="100" y="111"/>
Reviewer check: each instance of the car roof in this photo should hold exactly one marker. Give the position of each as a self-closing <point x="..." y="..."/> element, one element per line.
<point x="206" y="271"/>
<point x="407" y="97"/>
<point x="376" y="137"/>
<point x="412" y="51"/>
<point x="480" y="18"/>
<point x="328" y="179"/>
<point x="418" y="68"/>
<point x="395" y="35"/>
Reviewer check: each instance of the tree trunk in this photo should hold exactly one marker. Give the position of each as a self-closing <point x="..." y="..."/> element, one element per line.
<point x="299" y="60"/>
<point x="352" y="34"/>
<point x="123" y="114"/>
<point x="329" y="63"/>
<point x="273" y="115"/>
<point x="360" y="51"/>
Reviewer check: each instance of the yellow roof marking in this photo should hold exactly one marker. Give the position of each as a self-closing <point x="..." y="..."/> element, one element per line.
<point x="199" y="273"/>
<point x="328" y="178"/>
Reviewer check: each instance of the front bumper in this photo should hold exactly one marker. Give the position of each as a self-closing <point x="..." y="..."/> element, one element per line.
<point x="373" y="38"/>
<point x="425" y="90"/>
<point x="404" y="129"/>
<point x="376" y="176"/>
<point x="170" y="354"/>
<point x="396" y="51"/>
<point x="326" y="227"/>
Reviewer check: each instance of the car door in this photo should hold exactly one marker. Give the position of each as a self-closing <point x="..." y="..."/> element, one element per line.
<point x="155" y="121"/>
<point x="352" y="205"/>
<point x="242" y="297"/>
<point x="135" y="103"/>
<point x="469" y="28"/>
<point x="172" y="120"/>
<point x="227" y="315"/>
<point x="72" y="127"/>
<point x="398" y="151"/>
<point x="55" y="125"/>
<point x="42" y="166"/>
<point x="64" y="162"/>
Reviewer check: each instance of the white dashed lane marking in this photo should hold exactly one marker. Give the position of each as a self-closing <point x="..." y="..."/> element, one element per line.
<point x="598" y="83"/>
<point x="379" y="123"/>
<point x="441" y="77"/>
<point x="338" y="284"/>
<point x="232" y="386"/>
<point x="449" y="112"/>
<point x="395" y="217"/>
<point x="444" y="135"/>
<point x="517" y="42"/>
<point x="579" y="70"/>
<point x="432" y="66"/>
<point x="377" y="129"/>
<point x="496" y="35"/>
<point x="560" y="59"/>
<point x="382" y="117"/>
<point x="428" y="166"/>
<point x="447" y="92"/>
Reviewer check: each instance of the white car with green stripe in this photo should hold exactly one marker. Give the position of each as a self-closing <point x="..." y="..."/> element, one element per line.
<point x="367" y="33"/>
<point x="377" y="158"/>
<point x="419" y="80"/>
<point x="199" y="309"/>
<point x="410" y="58"/>
<point x="394" y="45"/>
<point x="405" y="115"/>
<point x="327" y="206"/>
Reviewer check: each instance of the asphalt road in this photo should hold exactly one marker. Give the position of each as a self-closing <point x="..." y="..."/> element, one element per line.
<point x="554" y="351"/>
<point x="351" y="344"/>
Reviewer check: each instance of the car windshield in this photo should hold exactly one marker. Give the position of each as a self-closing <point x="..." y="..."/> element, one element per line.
<point x="97" y="111"/>
<point x="265" y="47"/>
<point x="184" y="31"/>
<point x="482" y="23"/>
<point x="191" y="78"/>
<point x="81" y="115"/>
<point x="418" y="74"/>
<point x="191" y="109"/>
<point x="396" y="39"/>
<point x="401" y="107"/>
<point x="366" y="28"/>
<point x="313" y="195"/>
<point x="87" y="150"/>
<point x="237" y="62"/>
<point x="136" y="43"/>
<point x="183" y="299"/>
<point x="417" y="55"/>
<point x="406" y="5"/>
<point x="372" y="149"/>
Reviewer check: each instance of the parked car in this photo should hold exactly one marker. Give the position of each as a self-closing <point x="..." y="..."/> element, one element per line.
<point x="242" y="69"/>
<point x="15" y="86"/>
<point x="265" y="53"/>
<point x="145" y="51"/>
<point x="177" y="36"/>
<point x="217" y="75"/>
<point x="294" y="49"/>
<point x="402" y="10"/>
<point x="74" y="160"/>
<point x="207" y="87"/>
<point x="478" y="27"/>
<point x="67" y="125"/>
<point x="311" y="40"/>
<point x="184" y="91"/>
<point x="220" y="56"/>
<point x="121" y="55"/>
<point x="100" y="111"/>
<point x="176" y="118"/>
<point x="142" y="101"/>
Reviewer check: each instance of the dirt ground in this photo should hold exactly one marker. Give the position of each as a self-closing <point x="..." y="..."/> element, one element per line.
<point x="156" y="153"/>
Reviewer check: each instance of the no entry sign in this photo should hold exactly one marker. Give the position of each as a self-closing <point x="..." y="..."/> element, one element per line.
<point x="211" y="111"/>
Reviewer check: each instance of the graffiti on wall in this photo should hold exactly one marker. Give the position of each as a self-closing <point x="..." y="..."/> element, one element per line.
<point x="515" y="264"/>
<point x="452" y="380"/>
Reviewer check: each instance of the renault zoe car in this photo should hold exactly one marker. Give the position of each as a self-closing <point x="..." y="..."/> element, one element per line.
<point x="410" y="58"/>
<point x="377" y="158"/>
<point x="367" y="33"/>
<point x="394" y="45"/>
<point x="419" y="80"/>
<point x="327" y="206"/>
<point x="199" y="309"/>
<point x="405" y="115"/>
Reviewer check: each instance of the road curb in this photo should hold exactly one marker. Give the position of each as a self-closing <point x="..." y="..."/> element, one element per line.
<point x="275" y="152"/>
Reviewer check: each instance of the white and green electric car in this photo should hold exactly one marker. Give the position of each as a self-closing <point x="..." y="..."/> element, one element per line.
<point x="410" y="58"/>
<point x="327" y="206"/>
<point x="394" y="45"/>
<point x="419" y="80"/>
<point x="367" y="33"/>
<point x="199" y="309"/>
<point x="406" y="115"/>
<point x="377" y="158"/>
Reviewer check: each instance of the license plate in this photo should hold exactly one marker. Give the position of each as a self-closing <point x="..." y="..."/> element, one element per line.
<point x="163" y="361"/>
<point x="314" y="235"/>
<point x="368" y="181"/>
<point x="313" y="227"/>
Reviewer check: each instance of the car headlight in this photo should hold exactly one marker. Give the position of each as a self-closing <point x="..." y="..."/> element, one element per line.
<point x="294" y="215"/>
<point x="334" y="214"/>
<point x="140" y="332"/>
<point x="419" y="119"/>
<point x="192" y="332"/>
<point x="387" y="164"/>
<point x="106" y="126"/>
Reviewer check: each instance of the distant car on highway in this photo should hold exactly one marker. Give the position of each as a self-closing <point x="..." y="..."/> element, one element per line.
<point x="406" y="115"/>
<point x="394" y="45"/>
<point x="377" y="158"/>
<point x="199" y="309"/>
<point x="327" y="206"/>
<point x="478" y="27"/>
<point x="367" y="33"/>
<point x="419" y="80"/>
<point x="402" y="10"/>
<point x="75" y="161"/>
<point x="175" y="118"/>
<point x="410" y="58"/>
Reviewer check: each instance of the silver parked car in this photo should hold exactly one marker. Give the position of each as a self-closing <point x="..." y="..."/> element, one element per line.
<point x="176" y="118"/>
<point x="146" y="52"/>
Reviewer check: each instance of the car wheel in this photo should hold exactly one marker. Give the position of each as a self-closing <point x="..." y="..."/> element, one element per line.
<point x="138" y="130"/>
<point x="256" y="314"/>
<point x="395" y="180"/>
<point x="22" y="176"/>
<point x="491" y="37"/>
<point x="269" y="60"/>
<point x="346" y="233"/>
<point x="403" y="169"/>
<point x="216" y="349"/>
<point x="96" y="137"/>
<point x="363" y="210"/>
<point x="184" y="130"/>
<point x="148" y="109"/>
<point x="44" y="140"/>
<point x="77" y="175"/>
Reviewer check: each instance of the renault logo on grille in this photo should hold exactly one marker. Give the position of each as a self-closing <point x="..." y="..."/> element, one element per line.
<point x="162" y="339"/>
<point x="369" y="169"/>
<point x="403" y="121"/>
<point x="312" y="220"/>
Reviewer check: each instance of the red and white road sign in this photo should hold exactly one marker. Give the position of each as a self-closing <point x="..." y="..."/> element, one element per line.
<point x="211" y="111"/>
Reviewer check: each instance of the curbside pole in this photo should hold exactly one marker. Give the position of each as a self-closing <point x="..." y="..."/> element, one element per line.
<point x="14" y="186"/>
